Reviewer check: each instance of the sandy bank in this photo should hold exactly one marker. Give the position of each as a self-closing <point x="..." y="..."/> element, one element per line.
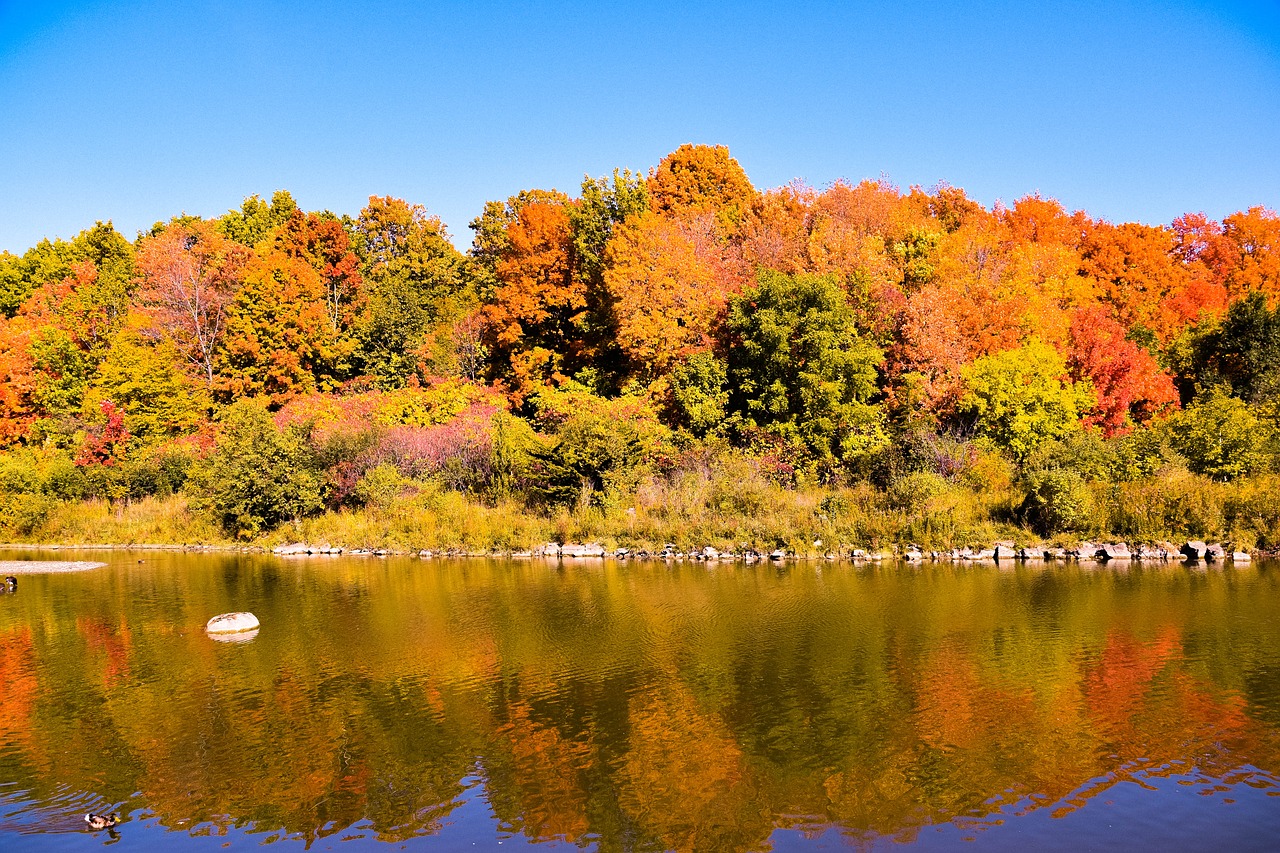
<point x="45" y="567"/>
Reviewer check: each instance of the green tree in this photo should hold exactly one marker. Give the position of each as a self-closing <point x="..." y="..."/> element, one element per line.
<point x="145" y="379"/>
<point x="699" y="399"/>
<point x="1219" y="436"/>
<point x="797" y="364"/>
<point x="258" y="475"/>
<point x="256" y="221"/>
<point x="414" y="283"/>
<point x="1242" y="352"/>
<point x="1023" y="397"/>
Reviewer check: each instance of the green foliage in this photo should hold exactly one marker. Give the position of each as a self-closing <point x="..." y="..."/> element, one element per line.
<point x="257" y="475"/>
<point x="699" y="395"/>
<point x="415" y="283"/>
<point x="1241" y="352"/>
<point x="256" y="221"/>
<point x="1021" y="398"/>
<point x="596" y="446"/>
<point x="145" y="379"/>
<point x="52" y="261"/>
<point x="380" y="486"/>
<point x="797" y="364"/>
<point x="1058" y="501"/>
<point x="604" y="204"/>
<point x="1219" y="436"/>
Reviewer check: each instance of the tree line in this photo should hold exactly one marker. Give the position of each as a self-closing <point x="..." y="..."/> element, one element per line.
<point x="273" y="363"/>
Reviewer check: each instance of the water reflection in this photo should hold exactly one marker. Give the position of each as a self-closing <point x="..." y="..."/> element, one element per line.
<point x="638" y="707"/>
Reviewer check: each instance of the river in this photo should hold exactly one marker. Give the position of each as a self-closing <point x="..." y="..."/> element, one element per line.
<point x="391" y="703"/>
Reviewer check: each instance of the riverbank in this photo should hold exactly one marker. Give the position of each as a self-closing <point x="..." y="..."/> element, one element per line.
<point x="708" y="510"/>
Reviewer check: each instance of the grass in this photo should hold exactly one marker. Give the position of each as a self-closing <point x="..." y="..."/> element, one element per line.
<point x="727" y="504"/>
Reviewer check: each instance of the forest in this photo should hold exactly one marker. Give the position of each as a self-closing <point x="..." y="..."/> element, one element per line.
<point x="668" y="356"/>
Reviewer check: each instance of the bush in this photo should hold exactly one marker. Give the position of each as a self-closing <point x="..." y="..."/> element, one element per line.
<point x="1219" y="436"/>
<point x="257" y="475"/>
<point x="1058" y="501"/>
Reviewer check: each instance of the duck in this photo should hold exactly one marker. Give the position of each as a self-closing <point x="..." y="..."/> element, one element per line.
<point x="10" y="584"/>
<point x="101" y="821"/>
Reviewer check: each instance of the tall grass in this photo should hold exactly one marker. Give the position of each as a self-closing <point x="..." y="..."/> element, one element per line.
<point x="727" y="503"/>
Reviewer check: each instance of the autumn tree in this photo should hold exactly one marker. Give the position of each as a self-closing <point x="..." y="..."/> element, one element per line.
<point x="669" y="280"/>
<point x="535" y="313"/>
<point x="190" y="273"/>
<point x="701" y="179"/>
<point x="321" y="240"/>
<point x="1129" y="385"/>
<point x="277" y="340"/>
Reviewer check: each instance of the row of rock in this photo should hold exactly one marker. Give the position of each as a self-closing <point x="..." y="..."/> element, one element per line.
<point x="1085" y="551"/>
<point x="1089" y="551"/>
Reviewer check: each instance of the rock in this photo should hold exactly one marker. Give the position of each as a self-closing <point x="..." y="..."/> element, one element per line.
<point x="1114" y="551"/>
<point x="857" y="554"/>
<point x="573" y="550"/>
<point x="777" y="554"/>
<point x="232" y="623"/>
<point x="287" y="550"/>
<point x="1003" y="551"/>
<point x="709" y="553"/>
<point x="1214" y="553"/>
<point x="551" y="549"/>
<point x="913" y="556"/>
<point x="1240" y="557"/>
<point x="1193" y="549"/>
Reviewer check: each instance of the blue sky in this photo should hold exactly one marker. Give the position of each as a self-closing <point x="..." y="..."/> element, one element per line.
<point x="136" y="111"/>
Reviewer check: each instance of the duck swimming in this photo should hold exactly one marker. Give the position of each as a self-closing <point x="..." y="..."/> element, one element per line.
<point x="101" y="821"/>
<point x="10" y="584"/>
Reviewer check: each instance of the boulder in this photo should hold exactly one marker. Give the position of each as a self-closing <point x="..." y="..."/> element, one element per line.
<point x="1193" y="549"/>
<point x="232" y="623"/>
<point x="1240" y="557"/>
<point x="1003" y="551"/>
<point x="1114" y="551"/>
<point x="709" y="553"/>
<point x="777" y="554"/>
<point x="572" y="550"/>
<point x="1214" y="553"/>
<point x="913" y="556"/>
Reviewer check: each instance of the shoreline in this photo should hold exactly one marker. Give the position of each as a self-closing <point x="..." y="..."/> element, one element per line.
<point x="1001" y="554"/>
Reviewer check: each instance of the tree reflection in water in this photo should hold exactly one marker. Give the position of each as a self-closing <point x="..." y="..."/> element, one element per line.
<point x="637" y="707"/>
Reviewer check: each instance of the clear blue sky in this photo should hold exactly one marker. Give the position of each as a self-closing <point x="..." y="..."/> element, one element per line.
<point x="136" y="111"/>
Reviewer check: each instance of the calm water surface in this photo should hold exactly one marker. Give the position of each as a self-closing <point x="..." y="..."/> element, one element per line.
<point x="397" y="704"/>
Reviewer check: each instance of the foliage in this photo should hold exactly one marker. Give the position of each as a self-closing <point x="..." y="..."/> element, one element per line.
<point x="1023" y="397"/>
<point x="1058" y="501"/>
<point x="257" y="474"/>
<point x="797" y="364"/>
<point x="1219" y="436"/>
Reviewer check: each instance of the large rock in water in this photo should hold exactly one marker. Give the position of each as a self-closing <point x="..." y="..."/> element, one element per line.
<point x="1194" y="550"/>
<point x="232" y="623"/>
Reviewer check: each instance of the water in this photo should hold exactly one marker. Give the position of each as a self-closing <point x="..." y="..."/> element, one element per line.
<point x="496" y="705"/>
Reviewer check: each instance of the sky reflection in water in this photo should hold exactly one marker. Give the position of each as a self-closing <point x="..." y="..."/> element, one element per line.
<point x="453" y="705"/>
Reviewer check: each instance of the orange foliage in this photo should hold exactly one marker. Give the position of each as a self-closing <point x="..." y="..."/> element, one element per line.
<point x="535" y="311"/>
<point x="701" y="179"/>
<point x="670" y="279"/>
<point x="1128" y="382"/>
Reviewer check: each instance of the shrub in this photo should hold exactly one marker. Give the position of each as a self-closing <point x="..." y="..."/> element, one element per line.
<point x="1219" y="436"/>
<point x="1058" y="501"/>
<point x="258" y="475"/>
